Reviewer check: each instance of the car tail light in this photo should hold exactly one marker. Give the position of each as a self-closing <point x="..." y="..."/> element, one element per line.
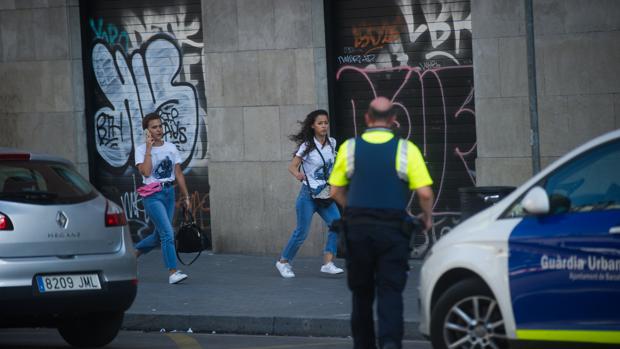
<point x="114" y="215"/>
<point x="5" y="222"/>
<point x="15" y="156"/>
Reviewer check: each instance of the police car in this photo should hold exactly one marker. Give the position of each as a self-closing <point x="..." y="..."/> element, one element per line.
<point x="541" y="268"/>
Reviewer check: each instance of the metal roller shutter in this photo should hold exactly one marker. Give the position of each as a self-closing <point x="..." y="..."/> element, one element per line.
<point x="139" y="57"/>
<point x="419" y="54"/>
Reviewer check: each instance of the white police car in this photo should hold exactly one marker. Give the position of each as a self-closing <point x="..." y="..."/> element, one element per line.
<point x="540" y="268"/>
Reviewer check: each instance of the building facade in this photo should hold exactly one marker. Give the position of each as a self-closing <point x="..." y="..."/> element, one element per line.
<point x="231" y="80"/>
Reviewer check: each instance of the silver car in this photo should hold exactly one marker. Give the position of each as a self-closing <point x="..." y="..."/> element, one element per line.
<point x="66" y="258"/>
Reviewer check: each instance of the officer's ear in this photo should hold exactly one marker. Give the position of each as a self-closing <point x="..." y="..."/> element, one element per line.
<point x="392" y="121"/>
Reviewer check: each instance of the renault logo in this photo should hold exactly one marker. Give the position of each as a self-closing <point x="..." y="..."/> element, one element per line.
<point x="62" y="220"/>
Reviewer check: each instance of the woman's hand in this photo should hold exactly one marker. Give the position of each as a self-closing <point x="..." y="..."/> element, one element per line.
<point x="293" y="168"/>
<point x="186" y="202"/>
<point x="182" y="186"/>
<point x="149" y="140"/>
<point x="146" y="166"/>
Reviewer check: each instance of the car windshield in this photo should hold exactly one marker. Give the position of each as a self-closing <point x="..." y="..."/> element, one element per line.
<point x="43" y="183"/>
<point x="589" y="182"/>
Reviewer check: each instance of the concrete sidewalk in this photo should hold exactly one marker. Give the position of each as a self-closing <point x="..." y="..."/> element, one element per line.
<point x="247" y="295"/>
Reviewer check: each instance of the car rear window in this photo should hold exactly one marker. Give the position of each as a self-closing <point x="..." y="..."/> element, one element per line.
<point x="42" y="182"/>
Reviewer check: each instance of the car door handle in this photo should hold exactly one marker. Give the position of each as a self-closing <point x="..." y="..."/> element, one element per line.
<point x="614" y="230"/>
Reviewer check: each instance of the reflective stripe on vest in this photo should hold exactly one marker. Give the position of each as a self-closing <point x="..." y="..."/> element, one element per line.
<point x="403" y="162"/>
<point x="350" y="157"/>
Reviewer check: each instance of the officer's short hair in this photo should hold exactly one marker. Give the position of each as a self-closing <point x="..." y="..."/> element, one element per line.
<point x="381" y="115"/>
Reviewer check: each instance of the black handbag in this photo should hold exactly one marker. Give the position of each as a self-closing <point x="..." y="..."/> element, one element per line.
<point x="189" y="238"/>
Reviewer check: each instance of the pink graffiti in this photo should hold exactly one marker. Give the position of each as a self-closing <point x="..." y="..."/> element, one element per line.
<point x="416" y="71"/>
<point x="458" y="151"/>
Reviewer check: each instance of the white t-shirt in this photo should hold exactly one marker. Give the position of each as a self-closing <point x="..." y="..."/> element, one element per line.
<point x="164" y="159"/>
<point x="313" y="165"/>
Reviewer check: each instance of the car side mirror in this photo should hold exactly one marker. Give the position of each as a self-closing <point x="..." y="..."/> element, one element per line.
<point x="536" y="201"/>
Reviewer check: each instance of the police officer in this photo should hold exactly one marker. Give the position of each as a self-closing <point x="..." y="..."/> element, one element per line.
<point x="372" y="179"/>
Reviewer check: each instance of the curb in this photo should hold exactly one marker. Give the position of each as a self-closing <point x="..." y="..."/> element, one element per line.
<point x="251" y="325"/>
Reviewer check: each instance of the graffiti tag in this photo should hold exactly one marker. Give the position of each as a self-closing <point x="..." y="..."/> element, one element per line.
<point x="145" y="81"/>
<point x="109" y="33"/>
<point x="374" y="37"/>
<point x="416" y="76"/>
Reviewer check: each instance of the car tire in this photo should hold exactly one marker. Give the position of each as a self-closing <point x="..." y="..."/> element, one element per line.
<point x="467" y="316"/>
<point x="92" y="329"/>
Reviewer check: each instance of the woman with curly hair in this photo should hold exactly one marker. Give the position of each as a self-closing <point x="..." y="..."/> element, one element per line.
<point x="311" y="165"/>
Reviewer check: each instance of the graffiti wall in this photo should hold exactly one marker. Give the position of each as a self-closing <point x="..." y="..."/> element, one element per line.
<point x="141" y="57"/>
<point x="417" y="53"/>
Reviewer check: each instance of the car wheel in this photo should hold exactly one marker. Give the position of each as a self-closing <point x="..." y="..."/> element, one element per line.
<point x="91" y="330"/>
<point x="467" y="316"/>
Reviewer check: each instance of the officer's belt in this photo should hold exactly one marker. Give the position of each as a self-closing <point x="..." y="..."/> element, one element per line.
<point x="382" y="214"/>
<point x="357" y="221"/>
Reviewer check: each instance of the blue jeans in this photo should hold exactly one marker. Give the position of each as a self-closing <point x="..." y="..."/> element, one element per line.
<point x="160" y="208"/>
<point x="305" y="208"/>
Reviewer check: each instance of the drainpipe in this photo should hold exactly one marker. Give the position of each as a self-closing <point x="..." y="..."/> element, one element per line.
<point x="533" y="91"/>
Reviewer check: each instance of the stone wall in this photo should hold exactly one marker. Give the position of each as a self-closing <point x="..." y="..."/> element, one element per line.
<point x="265" y="70"/>
<point x="41" y="94"/>
<point x="577" y="45"/>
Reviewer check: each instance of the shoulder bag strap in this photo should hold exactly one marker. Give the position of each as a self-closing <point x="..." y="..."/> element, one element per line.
<point x="306" y="176"/>
<point x="190" y="263"/>
<point x="324" y="163"/>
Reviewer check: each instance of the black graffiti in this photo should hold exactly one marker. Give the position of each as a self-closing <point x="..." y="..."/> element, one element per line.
<point x="144" y="81"/>
<point x="173" y="131"/>
<point x="108" y="132"/>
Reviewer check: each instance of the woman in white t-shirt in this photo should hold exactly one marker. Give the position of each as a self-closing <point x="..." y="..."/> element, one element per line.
<point x="312" y="165"/>
<point x="159" y="162"/>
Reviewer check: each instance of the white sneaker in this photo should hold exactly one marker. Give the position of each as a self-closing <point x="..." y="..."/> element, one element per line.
<point x="331" y="268"/>
<point x="285" y="270"/>
<point x="176" y="277"/>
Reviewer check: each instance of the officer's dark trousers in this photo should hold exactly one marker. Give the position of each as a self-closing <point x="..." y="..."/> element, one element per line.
<point x="377" y="262"/>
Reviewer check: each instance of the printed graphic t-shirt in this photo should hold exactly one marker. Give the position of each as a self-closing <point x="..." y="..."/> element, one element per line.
<point x="164" y="159"/>
<point x="313" y="165"/>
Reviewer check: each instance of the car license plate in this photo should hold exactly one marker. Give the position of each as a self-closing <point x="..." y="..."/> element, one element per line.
<point x="73" y="282"/>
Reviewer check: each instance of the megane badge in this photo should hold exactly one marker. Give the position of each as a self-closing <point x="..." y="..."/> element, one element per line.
<point x="62" y="220"/>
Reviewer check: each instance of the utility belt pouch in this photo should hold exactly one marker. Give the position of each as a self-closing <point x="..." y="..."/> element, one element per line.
<point x="339" y="226"/>
<point x="410" y="227"/>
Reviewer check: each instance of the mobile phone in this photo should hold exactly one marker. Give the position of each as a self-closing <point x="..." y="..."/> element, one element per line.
<point x="147" y="133"/>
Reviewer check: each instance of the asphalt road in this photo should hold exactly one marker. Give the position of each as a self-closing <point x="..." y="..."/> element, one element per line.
<point x="50" y="339"/>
